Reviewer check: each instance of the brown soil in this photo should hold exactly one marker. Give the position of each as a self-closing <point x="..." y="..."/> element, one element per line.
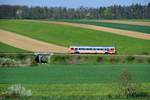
<point x="29" y="44"/>
<point x="126" y="22"/>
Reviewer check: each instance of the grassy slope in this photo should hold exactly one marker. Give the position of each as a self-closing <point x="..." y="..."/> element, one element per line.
<point x="67" y="35"/>
<point x="138" y="28"/>
<point x="72" y="74"/>
<point x="6" y="48"/>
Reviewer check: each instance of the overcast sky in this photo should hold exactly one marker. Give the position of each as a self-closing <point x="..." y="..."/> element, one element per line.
<point x="73" y="3"/>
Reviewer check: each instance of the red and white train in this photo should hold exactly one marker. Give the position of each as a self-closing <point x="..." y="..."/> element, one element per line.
<point x="92" y="50"/>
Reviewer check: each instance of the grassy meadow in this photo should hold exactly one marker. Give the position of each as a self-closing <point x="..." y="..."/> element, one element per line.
<point x="68" y="35"/>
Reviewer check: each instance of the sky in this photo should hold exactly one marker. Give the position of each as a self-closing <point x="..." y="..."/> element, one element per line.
<point x="73" y="3"/>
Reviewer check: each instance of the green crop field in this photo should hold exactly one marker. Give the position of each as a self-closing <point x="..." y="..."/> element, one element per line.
<point x="72" y="74"/>
<point x="73" y="91"/>
<point x="6" y="48"/>
<point x="138" y="28"/>
<point x="73" y="82"/>
<point x="67" y="35"/>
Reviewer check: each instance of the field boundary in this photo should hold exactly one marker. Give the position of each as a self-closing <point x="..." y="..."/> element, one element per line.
<point x="126" y="22"/>
<point x="133" y="34"/>
<point x="29" y="44"/>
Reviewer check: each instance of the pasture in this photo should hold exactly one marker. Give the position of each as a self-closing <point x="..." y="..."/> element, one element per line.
<point x="68" y="35"/>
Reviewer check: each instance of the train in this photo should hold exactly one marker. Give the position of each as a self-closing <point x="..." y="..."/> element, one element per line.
<point x="92" y="50"/>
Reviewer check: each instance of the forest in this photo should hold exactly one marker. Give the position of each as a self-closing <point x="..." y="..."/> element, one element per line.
<point x="134" y="11"/>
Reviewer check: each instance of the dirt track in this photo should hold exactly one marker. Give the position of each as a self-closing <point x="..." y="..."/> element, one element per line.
<point x="126" y="22"/>
<point x="115" y="31"/>
<point x="29" y="44"/>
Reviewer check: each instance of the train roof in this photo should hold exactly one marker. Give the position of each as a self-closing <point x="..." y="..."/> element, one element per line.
<point x="92" y="47"/>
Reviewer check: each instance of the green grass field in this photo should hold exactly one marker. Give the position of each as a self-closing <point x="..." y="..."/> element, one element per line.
<point x="69" y="89"/>
<point x="67" y="35"/>
<point x="72" y="74"/>
<point x="73" y="82"/>
<point x="138" y="28"/>
<point x="4" y="48"/>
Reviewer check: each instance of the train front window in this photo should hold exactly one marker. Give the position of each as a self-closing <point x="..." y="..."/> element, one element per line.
<point x="76" y="48"/>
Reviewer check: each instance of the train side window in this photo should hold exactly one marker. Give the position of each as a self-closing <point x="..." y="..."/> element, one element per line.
<point x="94" y="48"/>
<point x="88" y="48"/>
<point x="81" y="48"/>
<point x="71" y="48"/>
<point x="112" y="49"/>
<point x="76" y="48"/>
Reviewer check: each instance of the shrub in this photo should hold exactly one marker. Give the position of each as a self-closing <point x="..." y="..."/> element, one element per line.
<point x="18" y="91"/>
<point x="140" y="60"/>
<point x="128" y="88"/>
<point x="60" y="59"/>
<point x="21" y="56"/>
<point x="114" y="60"/>
<point x="100" y="59"/>
<point x="148" y="60"/>
<point x="8" y="62"/>
<point x="145" y="53"/>
<point x="33" y="62"/>
<point x="130" y="58"/>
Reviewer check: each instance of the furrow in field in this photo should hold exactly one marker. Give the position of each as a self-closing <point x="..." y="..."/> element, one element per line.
<point x="29" y="44"/>
<point x="134" y="34"/>
<point x="126" y="22"/>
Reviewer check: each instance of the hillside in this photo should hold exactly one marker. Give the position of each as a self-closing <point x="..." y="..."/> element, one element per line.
<point x="65" y="35"/>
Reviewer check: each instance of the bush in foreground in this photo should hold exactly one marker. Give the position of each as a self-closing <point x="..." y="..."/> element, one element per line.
<point x="128" y="88"/>
<point x="17" y="91"/>
<point x="8" y="62"/>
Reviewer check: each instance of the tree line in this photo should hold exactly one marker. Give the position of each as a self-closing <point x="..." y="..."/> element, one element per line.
<point x="134" y="11"/>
